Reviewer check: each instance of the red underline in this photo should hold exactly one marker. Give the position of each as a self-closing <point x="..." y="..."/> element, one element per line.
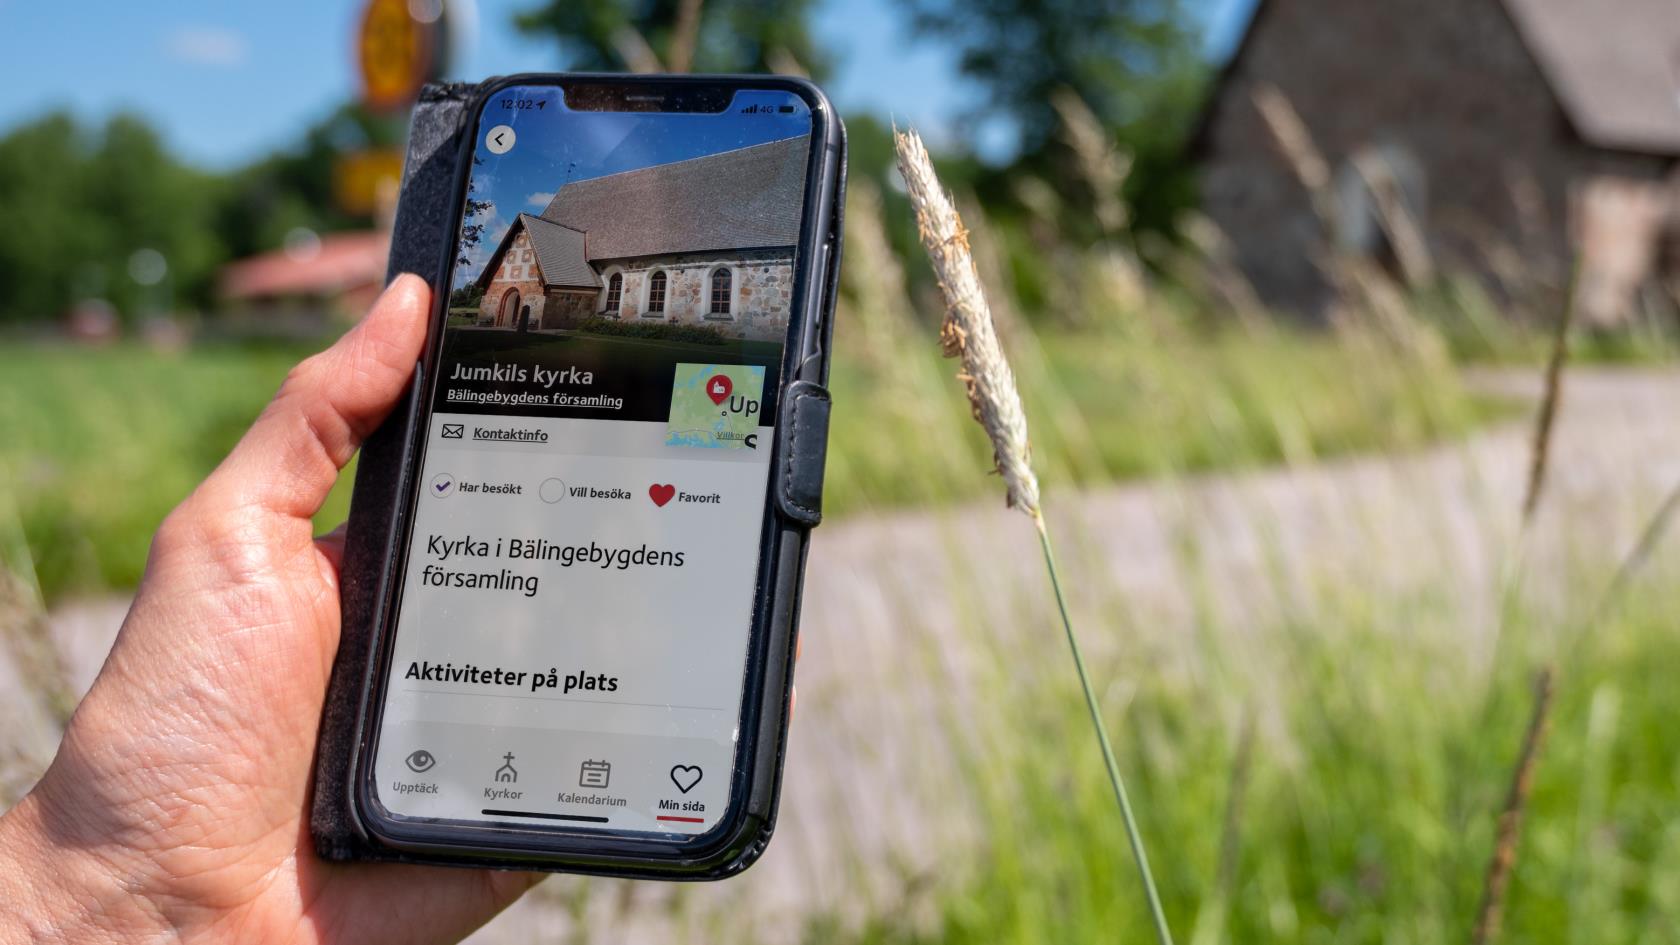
<point x="683" y="820"/>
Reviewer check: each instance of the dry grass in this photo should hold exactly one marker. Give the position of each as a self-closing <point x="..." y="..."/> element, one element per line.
<point x="1551" y="401"/>
<point x="968" y="333"/>
<point x="1500" y="867"/>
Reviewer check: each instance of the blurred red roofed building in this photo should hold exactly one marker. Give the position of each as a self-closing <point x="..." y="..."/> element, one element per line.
<point x="307" y="285"/>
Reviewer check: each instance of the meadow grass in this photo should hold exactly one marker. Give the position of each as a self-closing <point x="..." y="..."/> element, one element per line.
<point x="1368" y="802"/>
<point x="101" y="443"/>
<point x="1105" y="407"/>
<point x="1346" y="772"/>
<point x="1364" y="805"/>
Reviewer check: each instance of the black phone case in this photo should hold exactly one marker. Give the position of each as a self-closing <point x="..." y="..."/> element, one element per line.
<point x="420" y="238"/>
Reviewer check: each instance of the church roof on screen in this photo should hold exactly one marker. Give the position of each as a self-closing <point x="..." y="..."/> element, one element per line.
<point x="560" y="253"/>
<point x="743" y="199"/>
<point x="749" y="198"/>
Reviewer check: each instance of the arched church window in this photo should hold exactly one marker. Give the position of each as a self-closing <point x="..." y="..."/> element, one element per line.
<point x="722" y="291"/>
<point x="656" y="293"/>
<point x="615" y="293"/>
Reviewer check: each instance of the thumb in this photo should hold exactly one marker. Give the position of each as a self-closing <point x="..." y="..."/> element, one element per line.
<point x="289" y="459"/>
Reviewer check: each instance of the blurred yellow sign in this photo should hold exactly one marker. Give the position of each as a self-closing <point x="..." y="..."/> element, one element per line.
<point x="363" y="179"/>
<point x="395" y="51"/>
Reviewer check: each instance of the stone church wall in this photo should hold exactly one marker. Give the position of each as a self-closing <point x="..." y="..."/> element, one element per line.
<point x="761" y="282"/>
<point x="517" y="272"/>
<point x="761" y="299"/>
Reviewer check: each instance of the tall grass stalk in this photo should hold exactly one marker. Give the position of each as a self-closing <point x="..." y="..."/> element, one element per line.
<point x="1503" y="862"/>
<point x="1551" y="399"/>
<point x="1118" y="783"/>
<point x="968" y="333"/>
<point x="1295" y="142"/>
<point x="24" y="632"/>
<point x="1649" y="538"/>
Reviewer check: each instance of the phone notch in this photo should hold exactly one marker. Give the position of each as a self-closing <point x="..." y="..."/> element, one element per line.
<point x="651" y="96"/>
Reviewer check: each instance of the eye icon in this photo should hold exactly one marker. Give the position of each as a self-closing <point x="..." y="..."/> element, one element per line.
<point x="420" y="761"/>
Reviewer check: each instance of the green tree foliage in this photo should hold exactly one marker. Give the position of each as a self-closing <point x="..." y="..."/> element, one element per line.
<point x="80" y="202"/>
<point x="475" y="217"/>
<point x="294" y="188"/>
<point x="1135" y="63"/>
<point x="467" y="296"/>
<point x="734" y="36"/>
<point x="1114" y="53"/>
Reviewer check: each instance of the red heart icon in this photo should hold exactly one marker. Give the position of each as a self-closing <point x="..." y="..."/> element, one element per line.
<point x="661" y="494"/>
<point x="719" y="387"/>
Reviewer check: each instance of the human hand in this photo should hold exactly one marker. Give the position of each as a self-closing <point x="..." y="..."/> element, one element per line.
<point x="177" y="806"/>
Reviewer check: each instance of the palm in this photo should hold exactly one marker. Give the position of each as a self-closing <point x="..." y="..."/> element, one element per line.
<point x="194" y="748"/>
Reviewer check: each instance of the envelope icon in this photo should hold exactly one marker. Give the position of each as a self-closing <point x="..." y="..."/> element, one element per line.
<point x="452" y="431"/>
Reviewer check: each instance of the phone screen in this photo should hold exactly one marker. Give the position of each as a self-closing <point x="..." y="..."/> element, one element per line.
<point x="577" y="595"/>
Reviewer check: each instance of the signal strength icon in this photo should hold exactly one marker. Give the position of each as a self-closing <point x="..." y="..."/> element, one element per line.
<point x="751" y="110"/>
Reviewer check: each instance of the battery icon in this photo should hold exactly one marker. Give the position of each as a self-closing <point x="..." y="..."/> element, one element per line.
<point x="785" y="109"/>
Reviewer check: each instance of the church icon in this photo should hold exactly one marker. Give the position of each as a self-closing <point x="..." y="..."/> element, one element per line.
<point x="507" y="774"/>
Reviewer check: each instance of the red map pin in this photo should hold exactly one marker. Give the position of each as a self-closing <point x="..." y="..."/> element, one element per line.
<point x="718" y="388"/>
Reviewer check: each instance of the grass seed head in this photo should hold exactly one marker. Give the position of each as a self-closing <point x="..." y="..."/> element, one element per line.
<point x="967" y="332"/>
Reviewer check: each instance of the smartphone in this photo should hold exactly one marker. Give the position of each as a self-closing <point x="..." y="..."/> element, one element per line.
<point x="584" y="657"/>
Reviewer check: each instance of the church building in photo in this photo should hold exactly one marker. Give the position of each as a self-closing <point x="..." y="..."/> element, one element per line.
<point x="706" y="241"/>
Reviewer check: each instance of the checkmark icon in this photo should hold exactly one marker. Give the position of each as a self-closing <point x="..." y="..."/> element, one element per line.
<point x="443" y="484"/>
<point x="453" y="431"/>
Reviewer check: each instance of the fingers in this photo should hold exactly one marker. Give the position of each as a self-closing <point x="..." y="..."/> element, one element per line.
<point x="291" y="456"/>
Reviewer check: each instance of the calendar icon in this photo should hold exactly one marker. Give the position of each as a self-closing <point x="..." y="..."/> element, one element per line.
<point x="594" y="774"/>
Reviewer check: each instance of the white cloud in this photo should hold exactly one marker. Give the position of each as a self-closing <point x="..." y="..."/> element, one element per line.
<point x="540" y="198"/>
<point x="203" y="45"/>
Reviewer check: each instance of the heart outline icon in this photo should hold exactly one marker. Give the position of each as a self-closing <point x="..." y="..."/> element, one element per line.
<point x="661" y="493"/>
<point x="690" y="773"/>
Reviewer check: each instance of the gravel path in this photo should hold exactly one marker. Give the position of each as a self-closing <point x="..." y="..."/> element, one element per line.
<point x="899" y="608"/>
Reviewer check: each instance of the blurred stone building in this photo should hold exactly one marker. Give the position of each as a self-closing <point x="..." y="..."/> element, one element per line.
<point x="1501" y="138"/>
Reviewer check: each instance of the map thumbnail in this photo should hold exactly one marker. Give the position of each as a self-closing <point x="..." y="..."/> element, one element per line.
<point x="715" y="406"/>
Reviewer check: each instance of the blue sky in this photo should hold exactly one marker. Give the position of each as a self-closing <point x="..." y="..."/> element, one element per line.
<point x="554" y="147"/>
<point x="229" y="81"/>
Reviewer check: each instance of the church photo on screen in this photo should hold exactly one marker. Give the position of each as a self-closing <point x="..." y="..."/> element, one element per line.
<point x="707" y="241"/>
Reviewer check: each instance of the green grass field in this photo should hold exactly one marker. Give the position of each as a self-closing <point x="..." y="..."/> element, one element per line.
<point x="1103" y="406"/>
<point x="101" y="443"/>
<point x="1362" y="809"/>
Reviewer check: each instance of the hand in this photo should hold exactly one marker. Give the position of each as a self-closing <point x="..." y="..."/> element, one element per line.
<point x="177" y="806"/>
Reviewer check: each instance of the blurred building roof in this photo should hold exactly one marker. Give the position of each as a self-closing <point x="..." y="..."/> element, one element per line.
<point x="336" y="265"/>
<point x="1614" y="64"/>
